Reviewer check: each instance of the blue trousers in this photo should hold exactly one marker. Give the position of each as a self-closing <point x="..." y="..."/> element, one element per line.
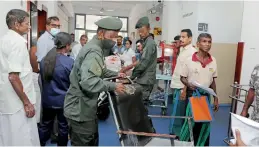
<point x="46" y="126"/>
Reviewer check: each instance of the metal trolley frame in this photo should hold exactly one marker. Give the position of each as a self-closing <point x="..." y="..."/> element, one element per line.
<point x="164" y="98"/>
<point x="154" y="135"/>
<point x="237" y="92"/>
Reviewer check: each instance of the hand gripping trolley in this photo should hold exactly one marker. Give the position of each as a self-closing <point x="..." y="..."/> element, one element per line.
<point x="134" y="125"/>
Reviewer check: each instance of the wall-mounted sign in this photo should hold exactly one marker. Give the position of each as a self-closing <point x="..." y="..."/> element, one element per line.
<point x="187" y="14"/>
<point x="203" y="27"/>
<point x="157" y="31"/>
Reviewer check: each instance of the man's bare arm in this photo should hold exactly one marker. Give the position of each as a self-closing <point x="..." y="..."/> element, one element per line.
<point x="216" y="101"/>
<point x="213" y="86"/>
<point x="33" y="59"/>
<point x="184" y="81"/>
<point x="18" y="88"/>
<point x="248" y="102"/>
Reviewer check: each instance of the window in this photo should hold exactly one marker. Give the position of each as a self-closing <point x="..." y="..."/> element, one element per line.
<point x="90" y="22"/>
<point x="80" y="21"/>
<point x="124" y="24"/>
<point x="90" y="35"/>
<point x="123" y="34"/>
<point x="85" y="24"/>
<point x="78" y="34"/>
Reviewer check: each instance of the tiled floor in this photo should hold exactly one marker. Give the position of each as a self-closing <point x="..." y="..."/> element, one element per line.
<point x="108" y="136"/>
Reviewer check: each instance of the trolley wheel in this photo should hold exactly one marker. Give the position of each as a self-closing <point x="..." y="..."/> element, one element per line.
<point x="163" y="111"/>
<point x="103" y="112"/>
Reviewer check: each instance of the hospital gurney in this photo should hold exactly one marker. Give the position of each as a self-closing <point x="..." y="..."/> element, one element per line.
<point x="159" y="96"/>
<point x="134" y="125"/>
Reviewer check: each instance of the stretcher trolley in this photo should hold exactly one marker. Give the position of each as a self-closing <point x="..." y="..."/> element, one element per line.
<point x="134" y="125"/>
<point x="161" y="96"/>
<point x="239" y="92"/>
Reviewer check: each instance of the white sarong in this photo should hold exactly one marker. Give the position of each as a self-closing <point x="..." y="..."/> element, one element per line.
<point x="18" y="130"/>
<point x="38" y="97"/>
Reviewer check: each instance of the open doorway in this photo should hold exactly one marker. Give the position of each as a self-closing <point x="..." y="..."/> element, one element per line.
<point x="42" y="18"/>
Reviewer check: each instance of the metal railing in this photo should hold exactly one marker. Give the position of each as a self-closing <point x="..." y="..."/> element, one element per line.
<point x="237" y="92"/>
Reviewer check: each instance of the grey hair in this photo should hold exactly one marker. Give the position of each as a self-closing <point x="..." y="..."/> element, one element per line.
<point x="15" y="15"/>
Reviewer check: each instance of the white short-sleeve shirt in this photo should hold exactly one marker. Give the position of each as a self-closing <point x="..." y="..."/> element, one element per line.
<point x="75" y="50"/>
<point x="195" y="71"/>
<point x="127" y="56"/>
<point x="185" y="52"/>
<point x="14" y="57"/>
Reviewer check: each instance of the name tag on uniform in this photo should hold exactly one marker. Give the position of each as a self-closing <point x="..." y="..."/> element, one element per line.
<point x="211" y="69"/>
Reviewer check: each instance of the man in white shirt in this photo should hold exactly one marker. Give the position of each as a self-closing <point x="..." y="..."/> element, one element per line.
<point x="179" y="107"/>
<point x="73" y="41"/>
<point x="78" y="47"/>
<point x="18" y="126"/>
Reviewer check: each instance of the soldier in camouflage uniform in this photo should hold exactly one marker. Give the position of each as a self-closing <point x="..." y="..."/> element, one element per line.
<point x="253" y="93"/>
<point x="145" y="70"/>
<point x="86" y="78"/>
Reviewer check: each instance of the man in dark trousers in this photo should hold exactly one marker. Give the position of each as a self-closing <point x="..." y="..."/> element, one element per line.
<point x="145" y="70"/>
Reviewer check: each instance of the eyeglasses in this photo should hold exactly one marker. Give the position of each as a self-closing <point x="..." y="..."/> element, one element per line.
<point x="55" y="26"/>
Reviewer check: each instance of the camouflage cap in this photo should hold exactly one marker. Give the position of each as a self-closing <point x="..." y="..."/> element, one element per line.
<point x="142" y="22"/>
<point x="109" y="23"/>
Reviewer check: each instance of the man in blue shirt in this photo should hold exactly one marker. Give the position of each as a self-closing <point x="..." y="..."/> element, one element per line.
<point x="119" y="48"/>
<point x="45" y="42"/>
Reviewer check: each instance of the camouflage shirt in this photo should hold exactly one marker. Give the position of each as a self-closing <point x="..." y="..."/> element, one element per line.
<point x="254" y="84"/>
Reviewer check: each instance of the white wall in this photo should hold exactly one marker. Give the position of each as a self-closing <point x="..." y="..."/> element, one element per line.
<point x="5" y="7"/>
<point x="63" y="20"/>
<point x="189" y="17"/>
<point x="52" y="7"/>
<point x="224" y="19"/>
<point x="170" y="22"/>
<point x="71" y="25"/>
<point x="250" y="35"/>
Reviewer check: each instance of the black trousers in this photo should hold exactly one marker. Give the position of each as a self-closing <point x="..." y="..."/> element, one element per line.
<point x="55" y="125"/>
<point x="196" y="133"/>
<point x="83" y="133"/>
<point x="46" y="126"/>
<point x="198" y="125"/>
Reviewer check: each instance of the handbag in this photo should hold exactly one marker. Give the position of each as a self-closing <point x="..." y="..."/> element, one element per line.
<point x="201" y="110"/>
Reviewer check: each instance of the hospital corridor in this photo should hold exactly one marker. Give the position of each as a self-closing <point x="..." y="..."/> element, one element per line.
<point x="129" y="73"/>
